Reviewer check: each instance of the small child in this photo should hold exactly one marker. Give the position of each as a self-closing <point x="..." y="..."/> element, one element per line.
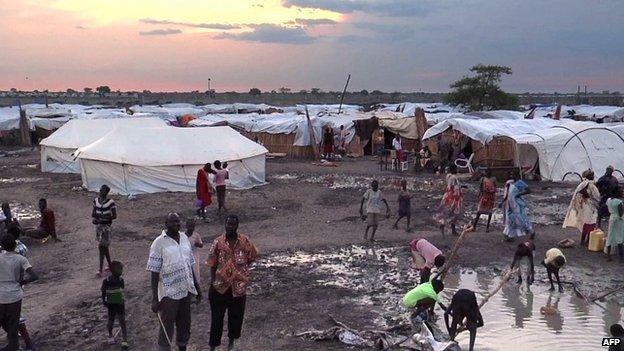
<point x="196" y="243"/>
<point x="405" y="206"/>
<point x="221" y="174"/>
<point x="113" y="299"/>
<point x="553" y="262"/>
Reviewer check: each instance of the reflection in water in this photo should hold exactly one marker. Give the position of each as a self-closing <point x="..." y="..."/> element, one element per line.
<point x="551" y="314"/>
<point x="522" y="311"/>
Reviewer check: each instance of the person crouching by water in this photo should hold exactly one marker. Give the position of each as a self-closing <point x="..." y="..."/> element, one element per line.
<point x="425" y="256"/>
<point x="423" y="298"/>
<point x="229" y="260"/>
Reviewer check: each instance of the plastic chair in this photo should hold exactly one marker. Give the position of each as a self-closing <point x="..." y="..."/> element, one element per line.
<point x="463" y="163"/>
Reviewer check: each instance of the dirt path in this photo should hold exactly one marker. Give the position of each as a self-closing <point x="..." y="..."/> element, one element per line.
<point x="303" y="208"/>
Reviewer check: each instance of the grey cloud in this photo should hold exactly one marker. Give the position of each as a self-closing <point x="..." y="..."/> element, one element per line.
<point x="168" y="31"/>
<point x="271" y="33"/>
<point x="397" y="8"/>
<point x="388" y="31"/>
<point x="80" y="27"/>
<point x="310" y="22"/>
<point x="220" y="26"/>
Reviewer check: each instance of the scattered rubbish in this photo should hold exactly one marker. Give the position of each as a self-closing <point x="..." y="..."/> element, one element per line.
<point x="19" y="180"/>
<point x="566" y="243"/>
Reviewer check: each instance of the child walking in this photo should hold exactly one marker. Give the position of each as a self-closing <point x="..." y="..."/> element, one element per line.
<point x="113" y="299"/>
<point x="196" y="243"/>
<point x="221" y="174"/>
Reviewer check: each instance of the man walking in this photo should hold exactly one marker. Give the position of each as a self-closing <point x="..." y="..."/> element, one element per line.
<point x="230" y="256"/>
<point x="12" y="278"/>
<point x="103" y="213"/>
<point x="171" y="263"/>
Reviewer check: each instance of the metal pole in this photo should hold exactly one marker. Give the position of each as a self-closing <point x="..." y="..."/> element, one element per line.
<point x="344" y="91"/>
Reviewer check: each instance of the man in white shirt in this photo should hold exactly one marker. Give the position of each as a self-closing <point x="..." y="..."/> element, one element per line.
<point x="12" y="277"/>
<point x="171" y="263"/>
<point x="398" y="146"/>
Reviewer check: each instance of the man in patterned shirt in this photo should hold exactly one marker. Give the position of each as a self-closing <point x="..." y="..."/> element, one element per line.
<point x="171" y="263"/>
<point x="229" y="260"/>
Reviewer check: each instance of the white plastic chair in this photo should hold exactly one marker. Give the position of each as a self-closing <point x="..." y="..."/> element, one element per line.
<point x="463" y="163"/>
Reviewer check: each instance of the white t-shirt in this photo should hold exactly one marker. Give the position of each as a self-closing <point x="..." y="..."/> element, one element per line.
<point x="396" y="144"/>
<point x="373" y="201"/>
<point x="175" y="263"/>
<point x="12" y="266"/>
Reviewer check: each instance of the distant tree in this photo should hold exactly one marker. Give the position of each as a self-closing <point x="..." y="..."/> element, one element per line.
<point x="88" y="90"/>
<point x="377" y="92"/>
<point x="103" y="89"/>
<point x="273" y="91"/>
<point x="315" y="91"/>
<point x="482" y="91"/>
<point x="70" y="91"/>
<point x="284" y="90"/>
<point x="303" y="91"/>
<point x="146" y="92"/>
<point x="364" y="92"/>
<point x="13" y="90"/>
<point x="254" y="92"/>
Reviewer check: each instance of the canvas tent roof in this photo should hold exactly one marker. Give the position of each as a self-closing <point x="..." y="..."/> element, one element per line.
<point x="167" y="146"/>
<point x="78" y="132"/>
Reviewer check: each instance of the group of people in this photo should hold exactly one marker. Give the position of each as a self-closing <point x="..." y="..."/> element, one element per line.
<point x="331" y="145"/>
<point x="205" y="190"/>
<point x="591" y="203"/>
<point x="175" y="281"/>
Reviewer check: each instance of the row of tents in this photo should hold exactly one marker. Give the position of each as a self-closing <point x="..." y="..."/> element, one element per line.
<point x="553" y="149"/>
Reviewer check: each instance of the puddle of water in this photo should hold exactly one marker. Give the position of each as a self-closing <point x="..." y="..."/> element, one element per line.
<point x="379" y="277"/>
<point x="19" y="180"/>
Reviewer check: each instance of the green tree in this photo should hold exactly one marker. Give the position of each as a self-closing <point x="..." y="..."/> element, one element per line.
<point x="103" y="89"/>
<point x="315" y="91"/>
<point x="284" y="90"/>
<point x="482" y="91"/>
<point x="254" y="91"/>
<point x="377" y="92"/>
<point x="364" y="92"/>
<point x="87" y="90"/>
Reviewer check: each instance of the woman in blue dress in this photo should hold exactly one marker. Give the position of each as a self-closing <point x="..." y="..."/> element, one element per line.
<point x="517" y="222"/>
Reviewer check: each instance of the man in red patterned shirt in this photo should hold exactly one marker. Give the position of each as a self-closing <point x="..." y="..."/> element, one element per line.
<point x="230" y="257"/>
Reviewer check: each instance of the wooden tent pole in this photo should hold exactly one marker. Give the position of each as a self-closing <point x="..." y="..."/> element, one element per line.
<point x="317" y="155"/>
<point x="344" y="91"/>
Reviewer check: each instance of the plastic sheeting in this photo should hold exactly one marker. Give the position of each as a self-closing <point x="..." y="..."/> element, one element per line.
<point x="9" y="118"/>
<point x="574" y="148"/>
<point x="484" y="130"/>
<point x="167" y="159"/>
<point x="57" y="149"/>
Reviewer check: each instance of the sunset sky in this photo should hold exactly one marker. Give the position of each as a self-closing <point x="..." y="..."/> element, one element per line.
<point x="390" y="45"/>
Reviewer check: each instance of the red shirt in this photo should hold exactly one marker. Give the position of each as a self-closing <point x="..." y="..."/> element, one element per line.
<point x="48" y="222"/>
<point x="232" y="264"/>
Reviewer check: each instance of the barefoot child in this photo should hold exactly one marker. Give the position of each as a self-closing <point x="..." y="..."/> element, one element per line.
<point x="373" y="200"/>
<point x="553" y="262"/>
<point x="405" y="206"/>
<point x="196" y="243"/>
<point x="113" y="299"/>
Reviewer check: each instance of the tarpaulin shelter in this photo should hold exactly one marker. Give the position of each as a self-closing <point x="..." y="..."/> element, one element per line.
<point x="167" y="159"/>
<point x="57" y="150"/>
<point x="565" y="151"/>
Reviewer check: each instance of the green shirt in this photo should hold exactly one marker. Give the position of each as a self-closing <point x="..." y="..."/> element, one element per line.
<point x="419" y="293"/>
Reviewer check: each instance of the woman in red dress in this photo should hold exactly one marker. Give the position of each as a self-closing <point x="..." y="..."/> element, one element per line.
<point x="204" y="190"/>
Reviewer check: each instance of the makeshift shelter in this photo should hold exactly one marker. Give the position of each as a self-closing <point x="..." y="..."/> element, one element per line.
<point x="57" y="150"/>
<point x="491" y="140"/>
<point x="167" y="159"/>
<point x="565" y="151"/>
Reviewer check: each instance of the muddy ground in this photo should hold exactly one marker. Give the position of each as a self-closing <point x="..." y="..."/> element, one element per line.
<point x="305" y="209"/>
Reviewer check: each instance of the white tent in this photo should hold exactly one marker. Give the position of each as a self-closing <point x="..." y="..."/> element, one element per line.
<point x="167" y="159"/>
<point x="57" y="149"/>
<point x="573" y="148"/>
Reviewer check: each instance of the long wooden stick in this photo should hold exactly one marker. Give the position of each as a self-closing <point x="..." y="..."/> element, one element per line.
<point x="344" y="91"/>
<point x="612" y="291"/>
<point x="505" y="279"/>
<point x="449" y="261"/>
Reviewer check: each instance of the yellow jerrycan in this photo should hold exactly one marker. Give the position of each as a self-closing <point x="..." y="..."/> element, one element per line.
<point x="596" y="240"/>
